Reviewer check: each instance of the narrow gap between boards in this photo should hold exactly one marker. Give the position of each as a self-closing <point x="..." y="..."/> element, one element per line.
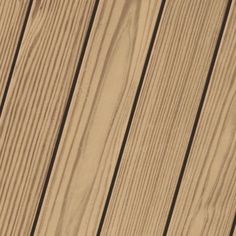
<point x="233" y="227"/>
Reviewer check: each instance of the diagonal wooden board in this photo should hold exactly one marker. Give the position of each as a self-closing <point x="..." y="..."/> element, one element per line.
<point x="12" y="16"/>
<point x="162" y="124"/>
<point x="206" y="203"/>
<point x="98" y="117"/>
<point x="164" y="118"/>
<point x="35" y="104"/>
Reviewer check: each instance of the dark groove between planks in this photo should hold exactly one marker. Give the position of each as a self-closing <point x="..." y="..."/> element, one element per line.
<point x="61" y="127"/>
<point x="15" y="56"/>
<point x="218" y="42"/>
<point x="233" y="228"/>
<point x="131" y="116"/>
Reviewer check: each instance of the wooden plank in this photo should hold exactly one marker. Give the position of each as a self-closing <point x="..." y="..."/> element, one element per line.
<point x="98" y="117"/>
<point x="164" y="118"/>
<point x="12" y="16"/>
<point x="206" y="203"/>
<point x="35" y="103"/>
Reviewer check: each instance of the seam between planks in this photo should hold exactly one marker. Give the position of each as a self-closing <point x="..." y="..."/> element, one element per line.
<point x="2" y="102"/>
<point x="233" y="226"/>
<point x="63" y="121"/>
<point x="136" y="98"/>
<point x="196" y="121"/>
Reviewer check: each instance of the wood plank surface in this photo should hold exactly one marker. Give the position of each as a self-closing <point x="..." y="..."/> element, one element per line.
<point x="57" y="53"/>
<point x="206" y="204"/>
<point x="35" y="104"/>
<point x="98" y="117"/>
<point x="164" y="118"/>
<point x="12" y="16"/>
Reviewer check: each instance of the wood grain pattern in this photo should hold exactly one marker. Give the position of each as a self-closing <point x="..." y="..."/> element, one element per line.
<point x="12" y="15"/>
<point x="206" y="204"/>
<point x="164" y="118"/>
<point x="98" y="117"/>
<point x="33" y="111"/>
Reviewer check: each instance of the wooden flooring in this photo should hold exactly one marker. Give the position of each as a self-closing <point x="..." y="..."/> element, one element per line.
<point x="118" y="117"/>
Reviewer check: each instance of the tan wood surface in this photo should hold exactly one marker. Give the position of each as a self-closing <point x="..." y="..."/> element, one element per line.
<point x="35" y="103"/>
<point x="164" y="118"/>
<point x="12" y="15"/>
<point x="93" y="82"/>
<point x="98" y="117"/>
<point x="206" y="204"/>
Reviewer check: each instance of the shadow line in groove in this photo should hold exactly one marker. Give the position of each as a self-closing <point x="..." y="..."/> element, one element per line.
<point x="135" y="102"/>
<point x="233" y="227"/>
<point x="64" y="117"/>
<point x="9" y="78"/>
<point x="196" y="121"/>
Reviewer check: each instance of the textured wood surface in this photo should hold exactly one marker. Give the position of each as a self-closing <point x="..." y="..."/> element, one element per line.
<point x="164" y="118"/>
<point x="98" y="117"/>
<point x="209" y="204"/>
<point x="12" y="15"/>
<point x="116" y="93"/>
<point x="35" y="103"/>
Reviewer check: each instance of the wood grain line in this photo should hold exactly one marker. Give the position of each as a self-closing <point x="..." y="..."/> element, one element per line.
<point x="36" y="100"/>
<point x="98" y="117"/>
<point x="164" y="118"/>
<point x="13" y="18"/>
<point x="206" y="203"/>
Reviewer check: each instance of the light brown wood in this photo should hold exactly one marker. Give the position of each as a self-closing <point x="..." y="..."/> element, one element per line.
<point x="35" y="103"/>
<point x="98" y="117"/>
<point x="164" y="118"/>
<point x="206" y="203"/>
<point x="12" y="15"/>
<point x="111" y="68"/>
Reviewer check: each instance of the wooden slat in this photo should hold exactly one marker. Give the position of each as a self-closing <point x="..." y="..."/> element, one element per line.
<point x="164" y="118"/>
<point x="206" y="203"/>
<point x="12" y="16"/>
<point x="35" y="103"/>
<point x="98" y="117"/>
